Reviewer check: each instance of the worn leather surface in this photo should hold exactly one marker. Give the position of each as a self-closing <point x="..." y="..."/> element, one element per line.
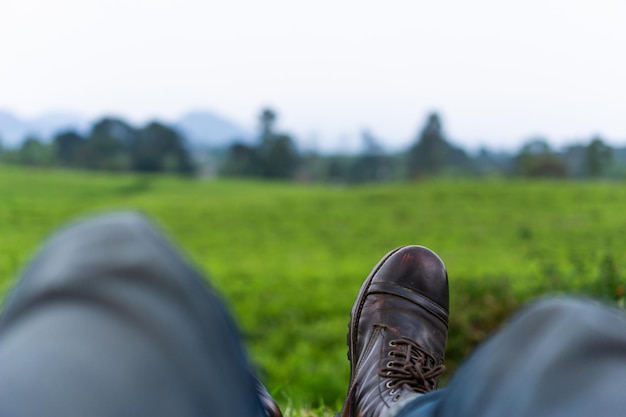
<point x="405" y="296"/>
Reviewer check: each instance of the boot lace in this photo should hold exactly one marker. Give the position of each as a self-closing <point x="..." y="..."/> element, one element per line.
<point x="411" y="366"/>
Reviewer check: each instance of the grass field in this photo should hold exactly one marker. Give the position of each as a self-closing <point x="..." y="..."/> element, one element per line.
<point x="289" y="258"/>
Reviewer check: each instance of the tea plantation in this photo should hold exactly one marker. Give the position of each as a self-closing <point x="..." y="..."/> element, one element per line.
<point x="289" y="258"/>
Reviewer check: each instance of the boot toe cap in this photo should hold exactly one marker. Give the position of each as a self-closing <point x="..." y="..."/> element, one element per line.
<point x="416" y="268"/>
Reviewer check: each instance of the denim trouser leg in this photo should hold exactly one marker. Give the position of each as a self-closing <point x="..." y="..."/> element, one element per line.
<point x="559" y="357"/>
<point x="109" y="320"/>
<point x="424" y="405"/>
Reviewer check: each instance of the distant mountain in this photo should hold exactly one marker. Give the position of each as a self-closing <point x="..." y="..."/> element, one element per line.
<point x="202" y="129"/>
<point x="13" y="130"/>
<point x="50" y="124"/>
<point x="206" y="129"/>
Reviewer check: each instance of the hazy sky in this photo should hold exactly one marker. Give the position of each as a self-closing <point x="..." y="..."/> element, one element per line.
<point x="498" y="71"/>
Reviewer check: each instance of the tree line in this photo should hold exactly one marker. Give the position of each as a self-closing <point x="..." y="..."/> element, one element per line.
<point x="114" y="145"/>
<point x="431" y="154"/>
<point x="275" y="156"/>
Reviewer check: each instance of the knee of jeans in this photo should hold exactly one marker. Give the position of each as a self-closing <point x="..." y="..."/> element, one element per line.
<point x="124" y="219"/>
<point x="561" y="306"/>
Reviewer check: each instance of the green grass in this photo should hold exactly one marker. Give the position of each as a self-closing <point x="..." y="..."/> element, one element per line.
<point x="290" y="258"/>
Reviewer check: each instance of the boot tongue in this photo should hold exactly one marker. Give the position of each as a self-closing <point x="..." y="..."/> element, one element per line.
<point x="404" y="319"/>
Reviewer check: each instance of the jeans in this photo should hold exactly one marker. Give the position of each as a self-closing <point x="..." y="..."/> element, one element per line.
<point x="109" y="320"/>
<point x="558" y="357"/>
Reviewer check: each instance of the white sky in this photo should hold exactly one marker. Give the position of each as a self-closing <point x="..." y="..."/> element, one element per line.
<point x="498" y="71"/>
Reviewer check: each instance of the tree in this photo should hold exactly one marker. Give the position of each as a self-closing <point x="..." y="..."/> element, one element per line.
<point x="536" y="159"/>
<point x="68" y="146"/>
<point x="108" y="145"/>
<point x="241" y="160"/>
<point x="159" y="148"/>
<point x="275" y="155"/>
<point x="597" y="157"/>
<point x="267" y="120"/>
<point x="33" y="152"/>
<point x="116" y="129"/>
<point x="432" y="153"/>
<point x="278" y="156"/>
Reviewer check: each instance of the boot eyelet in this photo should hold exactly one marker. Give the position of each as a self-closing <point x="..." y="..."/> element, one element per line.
<point x="392" y="343"/>
<point x="388" y="384"/>
<point x="391" y="353"/>
<point x="397" y="397"/>
<point x="389" y="364"/>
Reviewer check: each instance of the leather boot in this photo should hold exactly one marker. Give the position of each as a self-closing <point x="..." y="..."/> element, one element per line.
<point x="397" y="333"/>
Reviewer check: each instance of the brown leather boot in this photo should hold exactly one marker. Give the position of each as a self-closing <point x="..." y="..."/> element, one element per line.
<point x="397" y="333"/>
